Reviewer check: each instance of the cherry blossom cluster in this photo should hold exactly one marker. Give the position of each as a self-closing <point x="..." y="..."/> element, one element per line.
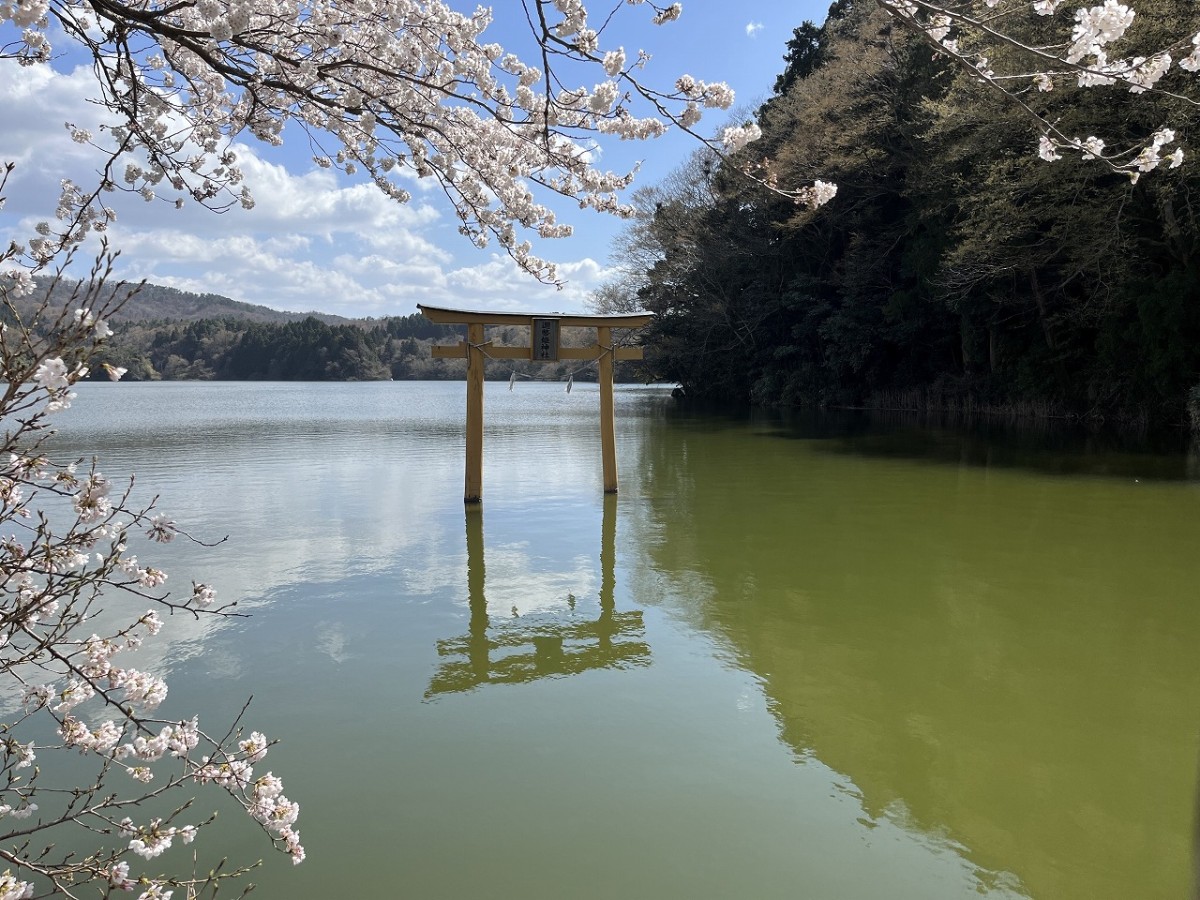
<point x="12" y="888"/>
<point x="65" y="535"/>
<point x="1082" y="57"/>
<point x="1149" y="158"/>
<point x="388" y="90"/>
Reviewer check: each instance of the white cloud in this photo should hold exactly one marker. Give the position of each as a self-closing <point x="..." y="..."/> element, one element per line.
<point x="285" y="273"/>
<point x="499" y="284"/>
<point x="753" y="28"/>
<point x="35" y="103"/>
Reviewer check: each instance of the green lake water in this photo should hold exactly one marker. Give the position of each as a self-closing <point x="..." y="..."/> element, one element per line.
<point x="793" y="658"/>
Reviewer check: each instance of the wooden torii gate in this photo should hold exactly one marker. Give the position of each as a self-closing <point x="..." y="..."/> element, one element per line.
<point x="544" y="346"/>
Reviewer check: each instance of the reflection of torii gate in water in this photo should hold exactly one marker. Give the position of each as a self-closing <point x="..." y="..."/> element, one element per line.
<point x="544" y="346"/>
<point x="614" y="640"/>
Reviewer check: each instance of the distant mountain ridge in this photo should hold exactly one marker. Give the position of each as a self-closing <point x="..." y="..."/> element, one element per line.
<point x="159" y="303"/>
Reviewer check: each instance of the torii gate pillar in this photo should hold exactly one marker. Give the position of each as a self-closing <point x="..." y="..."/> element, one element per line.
<point x="544" y="346"/>
<point x="608" y="425"/>
<point x="473" y="490"/>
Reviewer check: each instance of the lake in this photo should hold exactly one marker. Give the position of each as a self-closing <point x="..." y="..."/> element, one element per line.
<point x="795" y="657"/>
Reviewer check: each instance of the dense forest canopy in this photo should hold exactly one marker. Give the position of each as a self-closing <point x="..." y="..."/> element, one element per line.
<point x="954" y="268"/>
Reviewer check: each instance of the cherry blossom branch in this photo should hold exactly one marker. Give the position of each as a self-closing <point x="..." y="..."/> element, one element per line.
<point x="66" y="631"/>
<point x="1084" y="57"/>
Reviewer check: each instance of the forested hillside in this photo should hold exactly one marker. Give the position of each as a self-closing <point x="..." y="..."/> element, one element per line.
<point x="397" y="347"/>
<point x="304" y="350"/>
<point x="954" y="268"/>
<point x="163" y="333"/>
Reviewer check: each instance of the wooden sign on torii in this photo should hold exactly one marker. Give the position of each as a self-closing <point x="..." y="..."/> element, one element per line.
<point x="545" y="333"/>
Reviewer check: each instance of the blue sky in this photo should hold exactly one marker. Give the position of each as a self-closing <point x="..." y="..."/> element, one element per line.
<point x="317" y="240"/>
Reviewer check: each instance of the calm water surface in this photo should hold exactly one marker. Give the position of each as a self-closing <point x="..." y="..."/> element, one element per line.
<point x="786" y="662"/>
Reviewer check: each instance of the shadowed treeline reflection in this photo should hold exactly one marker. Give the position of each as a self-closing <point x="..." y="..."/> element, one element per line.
<point x="1001" y="658"/>
<point x="511" y="651"/>
<point x="1039" y="445"/>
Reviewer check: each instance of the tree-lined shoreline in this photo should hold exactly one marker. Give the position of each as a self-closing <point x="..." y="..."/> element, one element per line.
<point x="954" y="269"/>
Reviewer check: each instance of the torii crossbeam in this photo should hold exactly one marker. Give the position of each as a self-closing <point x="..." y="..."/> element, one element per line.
<point x="545" y="345"/>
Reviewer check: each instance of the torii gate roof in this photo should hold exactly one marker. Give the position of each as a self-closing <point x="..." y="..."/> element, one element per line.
<point x="443" y="316"/>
